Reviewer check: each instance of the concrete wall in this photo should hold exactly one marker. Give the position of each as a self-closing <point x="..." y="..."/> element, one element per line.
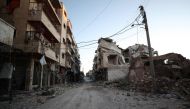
<point x="20" y="16"/>
<point x="117" y="72"/>
<point x="6" y="33"/>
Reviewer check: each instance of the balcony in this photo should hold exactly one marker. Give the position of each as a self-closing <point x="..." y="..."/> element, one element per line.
<point x="56" y="3"/>
<point x="72" y="49"/>
<point x="36" y="44"/>
<point x="68" y="65"/>
<point x="32" y="40"/>
<point x="68" y="38"/>
<point x="36" y="14"/>
<point x="68" y="62"/>
<point x="68" y="51"/>
<point x="51" y="54"/>
<point x="50" y="8"/>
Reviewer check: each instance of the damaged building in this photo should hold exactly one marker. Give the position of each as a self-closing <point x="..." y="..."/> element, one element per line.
<point x="109" y="63"/>
<point x="134" y="55"/>
<point x="72" y="56"/>
<point x="41" y="36"/>
<point x="172" y="71"/>
<point x="7" y="32"/>
<point x="137" y="50"/>
<point x="169" y="64"/>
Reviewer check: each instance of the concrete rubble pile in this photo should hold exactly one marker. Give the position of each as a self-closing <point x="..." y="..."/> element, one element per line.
<point x="172" y="74"/>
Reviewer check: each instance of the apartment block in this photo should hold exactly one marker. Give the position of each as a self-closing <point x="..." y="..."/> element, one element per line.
<point x="72" y="56"/>
<point x="42" y="30"/>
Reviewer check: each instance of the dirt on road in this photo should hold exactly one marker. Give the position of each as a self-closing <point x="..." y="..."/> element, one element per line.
<point x="89" y="96"/>
<point x="93" y="96"/>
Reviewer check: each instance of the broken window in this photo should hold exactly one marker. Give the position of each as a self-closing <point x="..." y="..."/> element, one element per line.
<point x="64" y="26"/>
<point x="126" y="60"/>
<point x="63" y="55"/>
<point x="64" y="42"/>
<point x="112" y="59"/>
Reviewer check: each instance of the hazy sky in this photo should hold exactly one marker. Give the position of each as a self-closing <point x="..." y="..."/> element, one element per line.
<point x="168" y="22"/>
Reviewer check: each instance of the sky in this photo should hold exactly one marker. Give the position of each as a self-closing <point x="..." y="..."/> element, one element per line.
<point x="168" y="22"/>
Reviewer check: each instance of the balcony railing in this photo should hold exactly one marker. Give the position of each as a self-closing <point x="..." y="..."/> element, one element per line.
<point x="36" y="13"/>
<point x="50" y="53"/>
<point x="33" y="35"/>
<point x="68" y="62"/>
<point x="36" y="6"/>
<point x="38" y="43"/>
<point x="56" y="3"/>
<point x="53" y="10"/>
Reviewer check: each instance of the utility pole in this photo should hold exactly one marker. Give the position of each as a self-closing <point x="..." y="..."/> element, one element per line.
<point x="143" y="13"/>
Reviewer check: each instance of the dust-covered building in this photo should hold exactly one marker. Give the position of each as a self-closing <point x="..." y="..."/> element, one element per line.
<point x="7" y="32"/>
<point x="109" y="63"/>
<point x="137" y="50"/>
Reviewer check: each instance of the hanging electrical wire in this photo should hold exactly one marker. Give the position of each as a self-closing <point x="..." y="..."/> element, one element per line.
<point x="87" y="41"/>
<point x="123" y="30"/>
<point x="88" y="45"/>
<point x="96" y="17"/>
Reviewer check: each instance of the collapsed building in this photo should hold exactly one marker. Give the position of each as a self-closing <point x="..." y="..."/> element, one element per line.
<point x="134" y="56"/>
<point x="169" y="64"/>
<point x="172" y="71"/>
<point x="137" y="50"/>
<point x="109" y="63"/>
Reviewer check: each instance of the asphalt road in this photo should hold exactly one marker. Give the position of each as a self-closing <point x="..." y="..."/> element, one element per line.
<point x="88" y="96"/>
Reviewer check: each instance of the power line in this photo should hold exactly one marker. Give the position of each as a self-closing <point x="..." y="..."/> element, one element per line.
<point x="96" y="17"/>
<point x="107" y="37"/>
<point x="87" y="45"/>
<point x="123" y="30"/>
<point x="87" y="41"/>
<point x="128" y="36"/>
